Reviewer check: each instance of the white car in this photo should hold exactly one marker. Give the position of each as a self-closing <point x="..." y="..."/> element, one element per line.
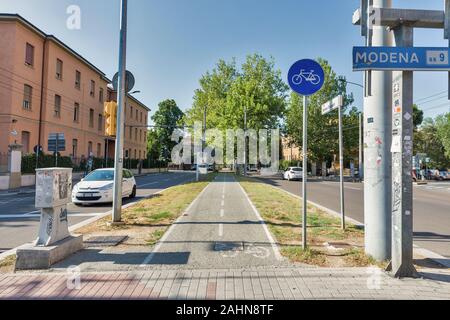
<point x="293" y="173"/>
<point x="97" y="187"/>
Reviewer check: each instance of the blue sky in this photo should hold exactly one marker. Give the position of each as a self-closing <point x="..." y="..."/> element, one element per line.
<point x="173" y="42"/>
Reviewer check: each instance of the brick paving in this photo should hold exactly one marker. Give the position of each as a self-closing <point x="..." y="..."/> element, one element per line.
<point x="213" y="284"/>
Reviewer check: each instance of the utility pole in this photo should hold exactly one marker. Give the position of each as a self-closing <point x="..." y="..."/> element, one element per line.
<point x="341" y="169"/>
<point x="377" y="133"/>
<point x="118" y="166"/>
<point x="245" y="140"/>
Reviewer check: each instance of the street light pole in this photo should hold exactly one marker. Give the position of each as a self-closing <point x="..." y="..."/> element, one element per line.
<point x="118" y="166"/>
<point x="341" y="169"/>
<point x="245" y="140"/>
<point x="361" y="147"/>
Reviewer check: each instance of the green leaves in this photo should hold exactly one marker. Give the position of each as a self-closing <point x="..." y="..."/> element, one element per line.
<point x="226" y="90"/>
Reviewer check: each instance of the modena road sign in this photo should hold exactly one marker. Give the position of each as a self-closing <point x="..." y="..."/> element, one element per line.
<point x="401" y="58"/>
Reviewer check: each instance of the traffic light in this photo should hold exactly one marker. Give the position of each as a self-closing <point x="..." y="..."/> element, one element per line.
<point x="111" y="118"/>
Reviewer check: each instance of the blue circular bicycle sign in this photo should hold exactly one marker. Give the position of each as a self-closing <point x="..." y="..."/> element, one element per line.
<point x="306" y="77"/>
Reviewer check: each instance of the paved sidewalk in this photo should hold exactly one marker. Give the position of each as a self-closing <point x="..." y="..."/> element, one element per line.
<point x="229" y="284"/>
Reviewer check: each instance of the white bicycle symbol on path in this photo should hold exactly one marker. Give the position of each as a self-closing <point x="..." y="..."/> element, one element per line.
<point x="310" y="77"/>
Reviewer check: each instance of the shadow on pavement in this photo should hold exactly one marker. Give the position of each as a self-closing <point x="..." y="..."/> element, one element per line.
<point x="99" y="256"/>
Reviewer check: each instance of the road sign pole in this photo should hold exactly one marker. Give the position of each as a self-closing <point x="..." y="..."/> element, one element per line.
<point x="118" y="166"/>
<point x="341" y="165"/>
<point x="305" y="173"/>
<point x="402" y="152"/>
<point x="377" y="164"/>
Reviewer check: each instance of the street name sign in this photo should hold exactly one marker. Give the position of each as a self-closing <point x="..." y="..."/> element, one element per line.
<point x="401" y="58"/>
<point x="56" y="142"/>
<point x="306" y="77"/>
<point x="332" y="105"/>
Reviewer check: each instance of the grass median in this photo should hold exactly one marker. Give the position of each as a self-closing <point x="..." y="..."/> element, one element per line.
<point x="329" y="245"/>
<point x="146" y="222"/>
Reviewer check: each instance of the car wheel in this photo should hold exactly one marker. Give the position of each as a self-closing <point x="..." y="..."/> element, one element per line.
<point x="133" y="193"/>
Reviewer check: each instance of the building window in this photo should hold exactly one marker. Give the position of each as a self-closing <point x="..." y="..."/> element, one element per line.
<point x="140" y="135"/>
<point x="27" y="96"/>
<point x="131" y="133"/>
<point x="29" y="55"/>
<point x="140" y="154"/>
<point x="89" y="148"/>
<point x="92" y="92"/>
<point x="131" y="112"/>
<point x="100" y="122"/>
<point x="91" y="118"/>
<point x="57" y="111"/>
<point x="137" y="115"/>
<point x="99" y="150"/>
<point x="78" y="80"/>
<point x="100" y="95"/>
<point x="59" y="69"/>
<point x="126" y="154"/>
<point x="135" y="154"/>
<point x="135" y="136"/>
<point x="26" y="142"/>
<point x="141" y="117"/>
<point x="76" y="112"/>
<point x="74" y="148"/>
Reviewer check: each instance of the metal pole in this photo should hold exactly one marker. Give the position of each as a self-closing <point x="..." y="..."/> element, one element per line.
<point x="245" y="140"/>
<point x="118" y="167"/>
<point x="341" y="165"/>
<point x="377" y="163"/>
<point x="402" y="184"/>
<point x="305" y="172"/>
<point x="361" y="148"/>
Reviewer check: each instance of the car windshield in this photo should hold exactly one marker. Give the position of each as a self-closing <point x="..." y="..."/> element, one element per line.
<point x="296" y="169"/>
<point x="103" y="175"/>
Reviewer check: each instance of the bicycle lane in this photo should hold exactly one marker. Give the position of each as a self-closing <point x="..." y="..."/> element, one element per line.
<point x="221" y="229"/>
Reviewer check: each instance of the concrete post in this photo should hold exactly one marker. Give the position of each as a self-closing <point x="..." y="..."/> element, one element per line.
<point x="15" y="166"/>
<point x="377" y="164"/>
<point x="402" y="152"/>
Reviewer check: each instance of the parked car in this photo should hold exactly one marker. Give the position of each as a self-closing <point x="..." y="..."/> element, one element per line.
<point x="293" y="173"/>
<point x="97" y="187"/>
<point x="444" y="175"/>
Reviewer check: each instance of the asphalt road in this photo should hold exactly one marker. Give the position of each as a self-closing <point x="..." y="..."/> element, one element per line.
<point x="19" y="220"/>
<point x="431" y="207"/>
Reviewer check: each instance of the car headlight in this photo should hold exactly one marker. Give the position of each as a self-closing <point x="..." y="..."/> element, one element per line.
<point x="107" y="187"/>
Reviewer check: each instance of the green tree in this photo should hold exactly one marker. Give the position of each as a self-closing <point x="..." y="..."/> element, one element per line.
<point x="166" y="119"/>
<point x="417" y="116"/>
<point x="443" y="131"/>
<point x="153" y="145"/>
<point x="323" y="129"/>
<point x="226" y="90"/>
<point x="428" y="140"/>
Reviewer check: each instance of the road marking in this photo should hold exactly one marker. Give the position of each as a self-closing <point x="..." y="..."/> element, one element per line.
<point x="222" y="203"/>
<point x="37" y="215"/>
<point x="221" y="230"/>
<point x="264" y="225"/>
<point x="148" y="184"/>
<point x="222" y="213"/>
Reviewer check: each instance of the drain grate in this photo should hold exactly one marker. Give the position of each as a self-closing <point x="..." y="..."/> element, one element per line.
<point x="229" y="246"/>
<point x="104" y="241"/>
